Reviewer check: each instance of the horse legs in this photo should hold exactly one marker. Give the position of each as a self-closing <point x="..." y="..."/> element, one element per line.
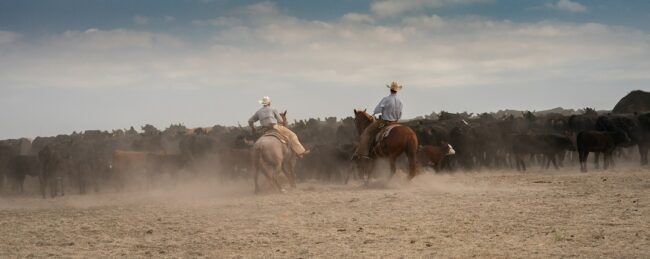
<point x="393" y="168"/>
<point x="270" y="174"/>
<point x="257" y="173"/>
<point x="288" y="170"/>
<point x="597" y="155"/>
<point x="366" y="169"/>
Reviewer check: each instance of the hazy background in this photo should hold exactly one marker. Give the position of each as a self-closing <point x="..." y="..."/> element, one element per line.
<point x="75" y="65"/>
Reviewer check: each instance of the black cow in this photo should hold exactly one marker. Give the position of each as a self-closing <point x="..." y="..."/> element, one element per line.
<point x="53" y="165"/>
<point x="19" y="167"/>
<point x="631" y="125"/>
<point x="548" y="145"/>
<point x="599" y="141"/>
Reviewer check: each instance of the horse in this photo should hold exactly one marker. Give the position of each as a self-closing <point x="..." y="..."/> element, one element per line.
<point x="271" y="156"/>
<point x="400" y="139"/>
<point x="599" y="141"/>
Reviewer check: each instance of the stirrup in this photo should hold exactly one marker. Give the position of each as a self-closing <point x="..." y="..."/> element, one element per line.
<point x="359" y="157"/>
<point x="303" y="154"/>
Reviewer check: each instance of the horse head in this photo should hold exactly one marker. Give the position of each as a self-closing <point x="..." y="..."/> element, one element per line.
<point x="362" y="119"/>
<point x="284" y="118"/>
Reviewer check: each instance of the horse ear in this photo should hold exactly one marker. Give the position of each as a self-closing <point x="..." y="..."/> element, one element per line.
<point x="364" y="110"/>
<point x="285" y="112"/>
<point x="355" y="111"/>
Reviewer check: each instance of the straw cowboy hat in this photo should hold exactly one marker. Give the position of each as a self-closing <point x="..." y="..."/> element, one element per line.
<point x="394" y="86"/>
<point x="265" y="100"/>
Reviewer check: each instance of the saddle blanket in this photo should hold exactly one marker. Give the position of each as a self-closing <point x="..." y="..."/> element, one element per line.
<point x="277" y="135"/>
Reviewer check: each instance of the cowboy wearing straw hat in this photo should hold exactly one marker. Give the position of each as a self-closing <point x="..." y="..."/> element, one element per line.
<point x="390" y="108"/>
<point x="271" y="119"/>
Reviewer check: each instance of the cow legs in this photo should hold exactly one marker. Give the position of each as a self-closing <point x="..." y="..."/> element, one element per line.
<point x="554" y="163"/>
<point x="521" y="165"/>
<point x="643" y="153"/>
<point x="582" y="157"/>
<point x="551" y="159"/>
<point x="42" y="183"/>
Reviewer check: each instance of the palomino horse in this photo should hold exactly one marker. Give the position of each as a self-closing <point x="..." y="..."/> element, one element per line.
<point x="270" y="156"/>
<point x="401" y="139"/>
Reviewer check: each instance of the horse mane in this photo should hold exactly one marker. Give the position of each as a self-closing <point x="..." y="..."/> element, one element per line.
<point x="369" y="117"/>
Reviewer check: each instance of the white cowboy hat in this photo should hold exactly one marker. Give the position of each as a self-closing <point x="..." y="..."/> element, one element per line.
<point x="265" y="100"/>
<point x="394" y="86"/>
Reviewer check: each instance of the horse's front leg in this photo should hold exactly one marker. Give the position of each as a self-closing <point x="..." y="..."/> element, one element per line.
<point x="367" y="169"/>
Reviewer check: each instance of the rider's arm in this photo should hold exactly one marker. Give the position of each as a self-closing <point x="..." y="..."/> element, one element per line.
<point x="252" y="120"/>
<point x="380" y="107"/>
<point x="399" y="116"/>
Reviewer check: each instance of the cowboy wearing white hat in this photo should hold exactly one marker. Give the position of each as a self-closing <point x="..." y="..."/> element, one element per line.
<point x="271" y="119"/>
<point x="390" y="108"/>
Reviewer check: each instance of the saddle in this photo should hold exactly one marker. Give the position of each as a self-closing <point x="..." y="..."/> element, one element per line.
<point x="384" y="130"/>
<point x="276" y="134"/>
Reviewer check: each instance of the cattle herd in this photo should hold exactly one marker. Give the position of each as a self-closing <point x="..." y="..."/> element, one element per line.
<point x="94" y="160"/>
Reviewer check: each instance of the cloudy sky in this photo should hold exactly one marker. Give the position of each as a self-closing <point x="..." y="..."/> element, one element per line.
<point x="99" y="64"/>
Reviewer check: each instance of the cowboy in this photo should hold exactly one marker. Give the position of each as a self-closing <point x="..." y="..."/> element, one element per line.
<point x="390" y="108"/>
<point x="271" y="119"/>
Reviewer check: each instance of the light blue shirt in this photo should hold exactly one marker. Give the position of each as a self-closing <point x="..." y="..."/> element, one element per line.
<point x="390" y="108"/>
<point x="267" y="116"/>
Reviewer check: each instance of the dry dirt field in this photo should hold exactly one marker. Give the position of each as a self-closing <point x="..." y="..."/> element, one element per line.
<point x="487" y="214"/>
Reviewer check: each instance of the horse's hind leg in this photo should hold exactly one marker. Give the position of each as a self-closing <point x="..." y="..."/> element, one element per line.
<point x="257" y="173"/>
<point x="393" y="168"/>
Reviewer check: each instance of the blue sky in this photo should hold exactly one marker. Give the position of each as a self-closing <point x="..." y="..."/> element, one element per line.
<point x="76" y="65"/>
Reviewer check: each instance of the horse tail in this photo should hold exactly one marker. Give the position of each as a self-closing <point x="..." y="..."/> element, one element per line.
<point x="411" y="153"/>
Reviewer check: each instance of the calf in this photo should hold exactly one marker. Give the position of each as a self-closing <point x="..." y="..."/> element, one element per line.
<point x="433" y="155"/>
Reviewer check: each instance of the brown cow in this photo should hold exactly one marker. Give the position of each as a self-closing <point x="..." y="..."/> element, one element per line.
<point x="432" y="155"/>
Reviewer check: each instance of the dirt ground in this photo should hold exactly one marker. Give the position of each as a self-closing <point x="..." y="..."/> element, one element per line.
<point x="487" y="214"/>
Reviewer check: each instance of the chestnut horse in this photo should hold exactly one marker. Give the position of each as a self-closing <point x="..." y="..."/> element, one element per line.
<point x="270" y="156"/>
<point x="401" y="139"/>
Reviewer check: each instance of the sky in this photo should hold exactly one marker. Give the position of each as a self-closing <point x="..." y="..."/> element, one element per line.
<point x="74" y="65"/>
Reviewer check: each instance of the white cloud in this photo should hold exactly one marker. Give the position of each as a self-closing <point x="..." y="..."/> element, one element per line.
<point x="357" y="18"/>
<point x="265" y="44"/>
<point x="384" y="8"/>
<point x="141" y="20"/>
<point x="7" y="37"/>
<point x="568" y="6"/>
